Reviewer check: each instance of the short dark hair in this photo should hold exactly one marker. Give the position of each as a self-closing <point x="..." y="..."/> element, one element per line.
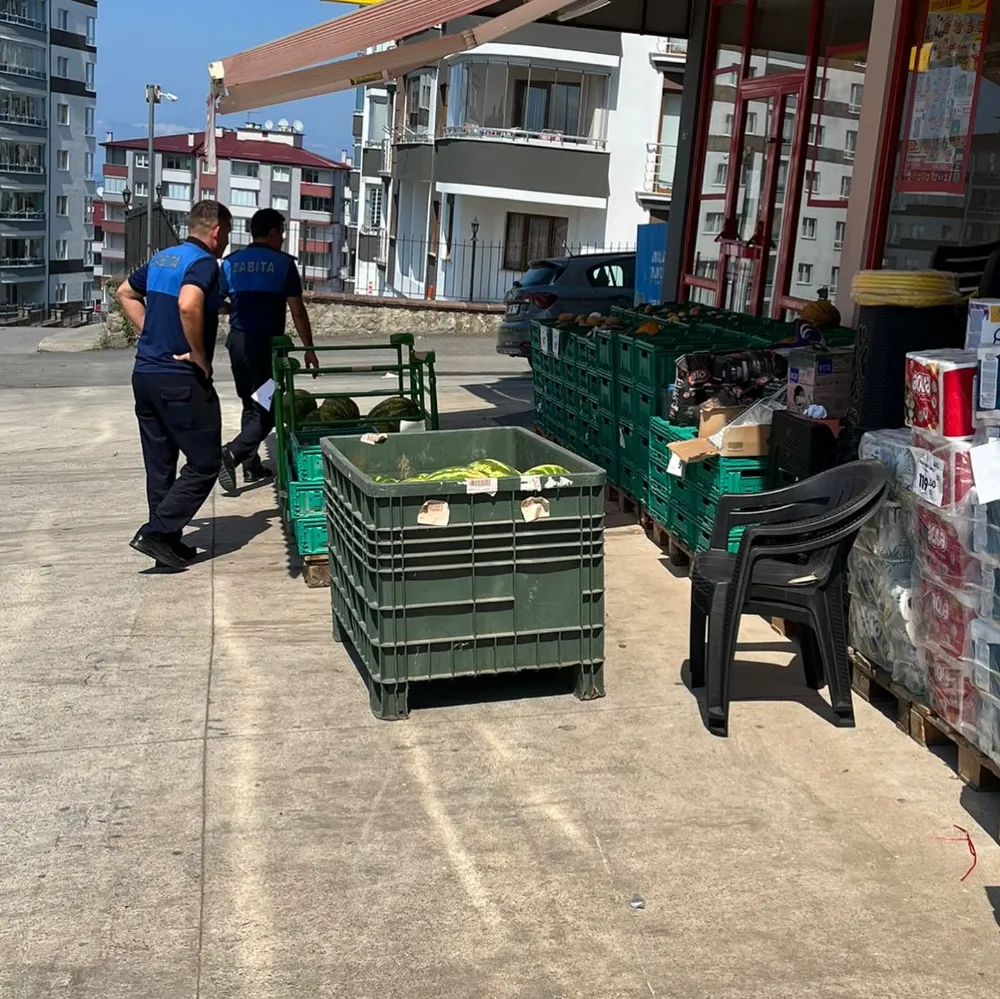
<point x="265" y="222"/>
<point x="207" y="215"/>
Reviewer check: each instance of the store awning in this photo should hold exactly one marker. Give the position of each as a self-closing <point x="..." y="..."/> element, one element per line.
<point x="311" y="62"/>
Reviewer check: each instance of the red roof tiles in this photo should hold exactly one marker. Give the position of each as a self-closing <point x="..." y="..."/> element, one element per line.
<point x="229" y="147"/>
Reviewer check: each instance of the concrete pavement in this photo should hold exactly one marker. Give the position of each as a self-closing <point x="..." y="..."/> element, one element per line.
<point x="197" y="802"/>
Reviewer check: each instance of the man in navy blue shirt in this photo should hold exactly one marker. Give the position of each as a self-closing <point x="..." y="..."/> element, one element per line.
<point x="175" y="300"/>
<point x="259" y="280"/>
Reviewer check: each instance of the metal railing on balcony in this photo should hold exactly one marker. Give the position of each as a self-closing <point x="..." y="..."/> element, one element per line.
<point x="35" y="74"/>
<point x="22" y="261"/>
<point x="23" y="119"/>
<point x="672" y="47"/>
<point x="658" y="176"/>
<point x="33" y="16"/>
<point x="414" y="134"/>
<point x="35" y="168"/>
<point x="34" y="215"/>
<point x="548" y="136"/>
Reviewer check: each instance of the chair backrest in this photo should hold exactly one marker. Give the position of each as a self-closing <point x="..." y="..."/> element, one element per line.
<point x="967" y="262"/>
<point x="827" y="510"/>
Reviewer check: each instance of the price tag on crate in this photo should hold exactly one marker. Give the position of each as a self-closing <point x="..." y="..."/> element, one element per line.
<point x="473" y="486"/>
<point x="555" y="343"/>
<point x="928" y="477"/>
<point x="543" y="339"/>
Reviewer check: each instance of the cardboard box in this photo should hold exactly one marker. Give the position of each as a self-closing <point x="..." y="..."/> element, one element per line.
<point x="741" y="441"/>
<point x="820" y="378"/>
<point x="712" y="418"/>
<point x="983" y="328"/>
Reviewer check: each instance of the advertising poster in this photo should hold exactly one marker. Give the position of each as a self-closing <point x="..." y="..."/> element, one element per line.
<point x="943" y="97"/>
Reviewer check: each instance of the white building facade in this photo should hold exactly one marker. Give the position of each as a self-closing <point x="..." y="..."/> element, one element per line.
<point x="536" y="145"/>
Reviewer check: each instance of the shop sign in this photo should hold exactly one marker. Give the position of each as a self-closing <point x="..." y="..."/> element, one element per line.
<point x="942" y="106"/>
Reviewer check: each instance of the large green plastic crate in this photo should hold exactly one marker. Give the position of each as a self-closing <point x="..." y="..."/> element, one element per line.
<point x="605" y="345"/>
<point x="648" y="363"/>
<point x="633" y="481"/>
<point x="306" y="453"/>
<point x="636" y="404"/>
<point x="634" y="443"/>
<point x="305" y="499"/>
<point x="311" y="535"/>
<point x="606" y="391"/>
<point x="662" y="433"/>
<point x="715" y="476"/>
<point x="486" y="592"/>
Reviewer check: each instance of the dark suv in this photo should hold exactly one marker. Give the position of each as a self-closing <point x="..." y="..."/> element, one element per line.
<point x="592" y="282"/>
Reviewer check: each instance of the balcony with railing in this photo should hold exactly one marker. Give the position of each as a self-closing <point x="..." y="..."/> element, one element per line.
<point x="669" y="53"/>
<point x="24" y="13"/>
<point x="500" y="101"/>
<point x="658" y="175"/>
<point x="17" y="109"/>
<point x="27" y="215"/>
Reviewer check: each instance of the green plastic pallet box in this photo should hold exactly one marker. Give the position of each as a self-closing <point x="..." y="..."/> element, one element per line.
<point x="443" y="579"/>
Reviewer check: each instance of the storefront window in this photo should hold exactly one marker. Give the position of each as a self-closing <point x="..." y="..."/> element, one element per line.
<point x="946" y="183"/>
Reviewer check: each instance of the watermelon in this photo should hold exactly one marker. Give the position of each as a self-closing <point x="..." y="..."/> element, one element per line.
<point x="339" y="408"/>
<point x="387" y="414"/>
<point x="547" y="470"/>
<point x="312" y="417"/>
<point x="490" y="468"/>
<point x="454" y="474"/>
<point x="295" y="364"/>
<point x="383" y="478"/>
<point x="304" y="404"/>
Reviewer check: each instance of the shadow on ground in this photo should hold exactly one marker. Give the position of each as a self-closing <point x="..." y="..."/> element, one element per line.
<point x="764" y="681"/>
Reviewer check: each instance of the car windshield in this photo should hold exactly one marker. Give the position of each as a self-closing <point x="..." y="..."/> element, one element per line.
<point x="541" y="273"/>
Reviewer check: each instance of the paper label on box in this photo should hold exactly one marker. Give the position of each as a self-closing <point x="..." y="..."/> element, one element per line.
<point x="264" y="396"/>
<point x="555" y="343"/>
<point x="531" y="483"/>
<point x="986" y="470"/>
<point x="481" y="486"/>
<point x="543" y="339"/>
<point x="434" y="513"/>
<point x="988" y="380"/>
<point x="675" y="466"/>
<point x="928" y="478"/>
<point x="534" y="508"/>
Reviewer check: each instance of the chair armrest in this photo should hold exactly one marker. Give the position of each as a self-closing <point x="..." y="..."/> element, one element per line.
<point x="736" y="510"/>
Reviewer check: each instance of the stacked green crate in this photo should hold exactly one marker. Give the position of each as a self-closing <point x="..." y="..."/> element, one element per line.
<point x="686" y="504"/>
<point x="299" y="458"/>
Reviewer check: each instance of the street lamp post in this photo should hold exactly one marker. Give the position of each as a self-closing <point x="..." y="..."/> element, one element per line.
<point x="153" y="97"/>
<point x="472" y="268"/>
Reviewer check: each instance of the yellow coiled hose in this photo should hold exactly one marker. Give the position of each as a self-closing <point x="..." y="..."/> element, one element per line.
<point x="913" y="289"/>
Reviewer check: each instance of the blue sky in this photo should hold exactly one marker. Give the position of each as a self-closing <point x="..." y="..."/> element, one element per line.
<point x="171" y="42"/>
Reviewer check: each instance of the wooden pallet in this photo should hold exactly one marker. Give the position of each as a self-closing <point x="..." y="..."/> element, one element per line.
<point x="626" y="505"/>
<point x="921" y="723"/>
<point x="679" y="554"/>
<point x="316" y="570"/>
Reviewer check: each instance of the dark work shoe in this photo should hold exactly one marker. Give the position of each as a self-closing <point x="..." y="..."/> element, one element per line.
<point x="227" y="473"/>
<point x="187" y="552"/>
<point x="159" y="550"/>
<point x="257" y="472"/>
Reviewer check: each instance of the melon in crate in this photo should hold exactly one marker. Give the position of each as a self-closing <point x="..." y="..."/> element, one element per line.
<point x="387" y="414"/>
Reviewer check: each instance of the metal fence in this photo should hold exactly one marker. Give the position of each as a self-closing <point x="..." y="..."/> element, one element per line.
<point x="463" y="271"/>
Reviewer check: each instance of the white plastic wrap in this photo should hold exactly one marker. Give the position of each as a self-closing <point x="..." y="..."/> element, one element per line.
<point x="951" y="692"/>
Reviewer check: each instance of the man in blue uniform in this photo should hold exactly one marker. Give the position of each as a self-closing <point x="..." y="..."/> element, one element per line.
<point x="259" y="280"/>
<point x="175" y="300"/>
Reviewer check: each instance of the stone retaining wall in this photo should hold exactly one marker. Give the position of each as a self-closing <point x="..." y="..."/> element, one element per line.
<point x="363" y="316"/>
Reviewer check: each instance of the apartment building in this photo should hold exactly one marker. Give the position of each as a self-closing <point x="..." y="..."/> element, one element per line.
<point x="555" y="139"/>
<point x="48" y="57"/>
<point x="831" y="141"/>
<point x="259" y="166"/>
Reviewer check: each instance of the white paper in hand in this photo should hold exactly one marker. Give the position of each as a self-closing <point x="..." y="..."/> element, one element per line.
<point x="986" y="470"/>
<point x="265" y="394"/>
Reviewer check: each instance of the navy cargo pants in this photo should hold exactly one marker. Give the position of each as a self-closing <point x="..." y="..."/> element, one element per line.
<point x="177" y="414"/>
<point x="250" y="358"/>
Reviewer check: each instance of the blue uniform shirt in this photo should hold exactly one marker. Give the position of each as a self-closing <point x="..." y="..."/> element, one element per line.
<point x="160" y="282"/>
<point x="259" y="281"/>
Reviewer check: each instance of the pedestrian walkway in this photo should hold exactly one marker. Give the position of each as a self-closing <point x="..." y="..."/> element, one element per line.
<point x="197" y="801"/>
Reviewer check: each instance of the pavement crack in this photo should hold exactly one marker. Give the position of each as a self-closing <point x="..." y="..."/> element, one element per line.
<point x="204" y="759"/>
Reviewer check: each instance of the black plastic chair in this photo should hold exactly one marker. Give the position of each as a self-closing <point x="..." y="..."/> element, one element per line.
<point x="790" y="564"/>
